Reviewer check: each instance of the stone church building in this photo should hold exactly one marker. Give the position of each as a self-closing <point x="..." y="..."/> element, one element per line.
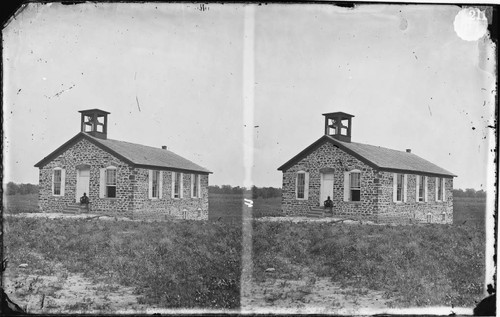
<point x="365" y="181"/>
<point x="120" y="177"/>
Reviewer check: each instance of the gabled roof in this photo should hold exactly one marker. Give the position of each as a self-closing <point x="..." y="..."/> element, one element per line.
<point x="134" y="154"/>
<point x="377" y="157"/>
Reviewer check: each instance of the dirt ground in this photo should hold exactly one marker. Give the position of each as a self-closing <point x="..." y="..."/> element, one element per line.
<point x="66" y="292"/>
<point x="309" y="294"/>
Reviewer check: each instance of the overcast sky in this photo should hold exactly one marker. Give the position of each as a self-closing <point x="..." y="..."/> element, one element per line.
<point x="172" y="74"/>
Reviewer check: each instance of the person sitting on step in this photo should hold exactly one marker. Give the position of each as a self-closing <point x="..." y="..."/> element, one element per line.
<point x="328" y="204"/>
<point x="84" y="200"/>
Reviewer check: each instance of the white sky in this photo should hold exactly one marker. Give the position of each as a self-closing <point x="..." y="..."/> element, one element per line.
<point x="402" y="71"/>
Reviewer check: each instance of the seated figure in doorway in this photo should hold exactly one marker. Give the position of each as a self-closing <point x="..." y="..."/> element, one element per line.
<point x="84" y="200"/>
<point x="328" y="204"/>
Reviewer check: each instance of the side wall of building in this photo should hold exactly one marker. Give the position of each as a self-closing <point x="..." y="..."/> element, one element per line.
<point x="166" y="207"/>
<point x="432" y="210"/>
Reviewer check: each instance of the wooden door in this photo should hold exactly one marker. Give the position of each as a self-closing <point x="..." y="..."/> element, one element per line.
<point x="82" y="183"/>
<point x="326" y="187"/>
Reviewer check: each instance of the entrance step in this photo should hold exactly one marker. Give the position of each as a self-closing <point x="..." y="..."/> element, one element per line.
<point x="76" y="209"/>
<point x="317" y="212"/>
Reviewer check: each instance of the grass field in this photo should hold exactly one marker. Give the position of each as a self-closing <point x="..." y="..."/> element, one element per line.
<point x="170" y="264"/>
<point x="20" y="203"/>
<point x="419" y="265"/>
<point x="469" y="211"/>
<point x="197" y="264"/>
<point x="228" y="208"/>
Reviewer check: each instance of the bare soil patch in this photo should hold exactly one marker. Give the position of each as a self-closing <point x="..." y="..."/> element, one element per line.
<point x="65" y="292"/>
<point x="309" y="294"/>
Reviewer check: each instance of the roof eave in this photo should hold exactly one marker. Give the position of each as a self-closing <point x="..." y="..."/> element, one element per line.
<point x="426" y="173"/>
<point x="174" y="169"/>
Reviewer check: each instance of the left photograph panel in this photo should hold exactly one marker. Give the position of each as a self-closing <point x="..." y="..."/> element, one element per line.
<point x="122" y="124"/>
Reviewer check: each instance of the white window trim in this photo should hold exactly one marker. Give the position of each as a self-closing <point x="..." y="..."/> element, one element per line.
<point x="347" y="186"/>
<point x="425" y="189"/>
<point x="417" y="188"/>
<point x="306" y="185"/>
<point x="63" y="181"/>
<point x="102" y="182"/>
<point x="443" y="189"/>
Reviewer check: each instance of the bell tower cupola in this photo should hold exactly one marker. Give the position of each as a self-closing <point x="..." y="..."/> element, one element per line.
<point x="338" y="125"/>
<point x="95" y="122"/>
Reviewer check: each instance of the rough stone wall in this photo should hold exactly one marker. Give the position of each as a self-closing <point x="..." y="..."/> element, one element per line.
<point x="329" y="156"/>
<point x="168" y="207"/>
<point x="131" y="188"/>
<point x="411" y="210"/>
<point x="84" y="152"/>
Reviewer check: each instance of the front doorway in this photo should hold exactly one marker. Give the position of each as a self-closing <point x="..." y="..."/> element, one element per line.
<point x="326" y="188"/>
<point x="82" y="182"/>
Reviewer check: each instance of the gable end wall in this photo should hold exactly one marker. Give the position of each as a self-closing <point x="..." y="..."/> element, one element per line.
<point x="329" y="156"/>
<point x="84" y="152"/>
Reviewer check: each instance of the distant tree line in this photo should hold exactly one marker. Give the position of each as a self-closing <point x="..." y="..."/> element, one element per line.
<point x="20" y="189"/>
<point x="469" y="192"/>
<point x="264" y="192"/>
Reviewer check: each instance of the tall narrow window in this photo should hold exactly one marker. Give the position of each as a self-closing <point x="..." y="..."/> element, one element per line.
<point x="111" y="183"/>
<point x="195" y="185"/>
<point x="355" y="186"/>
<point x="301" y="183"/>
<point x="177" y="184"/>
<point x="420" y="188"/>
<point x="155" y="184"/>
<point x="399" y="187"/>
<point x="57" y="182"/>
<point x="439" y="184"/>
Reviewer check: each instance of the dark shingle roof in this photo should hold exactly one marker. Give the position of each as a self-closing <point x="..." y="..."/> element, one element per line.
<point x="150" y="156"/>
<point x="386" y="158"/>
<point x="135" y="154"/>
<point x="377" y="157"/>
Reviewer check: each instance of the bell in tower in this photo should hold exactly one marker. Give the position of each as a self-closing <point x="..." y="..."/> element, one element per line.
<point x="338" y="125"/>
<point x="95" y="122"/>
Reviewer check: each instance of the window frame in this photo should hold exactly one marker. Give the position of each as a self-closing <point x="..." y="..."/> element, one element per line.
<point x="420" y="193"/>
<point x="304" y="186"/>
<point x="439" y="189"/>
<point x="301" y="185"/>
<point x="107" y="185"/>
<point x="352" y="188"/>
<point x="155" y="184"/>
<point x="177" y="180"/>
<point x="401" y="190"/>
<point x="428" y="218"/>
<point x="195" y="186"/>
<point x="61" y="182"/>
